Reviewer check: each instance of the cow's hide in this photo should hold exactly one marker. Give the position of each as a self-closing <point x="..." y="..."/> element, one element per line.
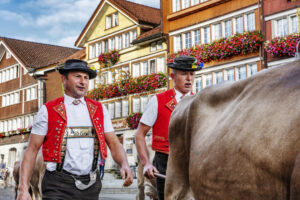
<point x="238" y="140"/>
<point x="36" y="177"/>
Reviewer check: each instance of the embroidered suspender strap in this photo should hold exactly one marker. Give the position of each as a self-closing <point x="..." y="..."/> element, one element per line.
<point x="59" y="166"/>
<point x="96" y="151"/>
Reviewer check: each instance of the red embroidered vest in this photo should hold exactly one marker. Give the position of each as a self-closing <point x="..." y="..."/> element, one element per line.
<point x="57" y="123"/>
<point x="166" y="104"/>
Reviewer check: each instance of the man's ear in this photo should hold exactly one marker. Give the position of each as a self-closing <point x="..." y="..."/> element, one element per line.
<point x="172" y="75"/>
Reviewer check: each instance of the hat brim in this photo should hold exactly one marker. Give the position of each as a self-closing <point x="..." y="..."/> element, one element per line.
<point x="92" y="74"/>
<point x="179" y="67"/>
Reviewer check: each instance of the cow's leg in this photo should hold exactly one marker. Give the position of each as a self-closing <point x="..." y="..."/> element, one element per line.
<point x="177" y="183"/>
<point x="295" y="180"/>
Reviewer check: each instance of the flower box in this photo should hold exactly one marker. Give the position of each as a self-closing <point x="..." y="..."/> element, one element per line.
<point x="129" y="86"/>
<point x="133" y="120"/>
<point x="109" y="58"/>
<point x="224" y="48"/>
<point x="283" y="46"/>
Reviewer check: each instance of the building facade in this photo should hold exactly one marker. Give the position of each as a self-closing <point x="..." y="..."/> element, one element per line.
<point x="131" y="32"/>
<point x="281" y="23"/>
<point x="210" y="30"/>
<point x="23" y="90"/>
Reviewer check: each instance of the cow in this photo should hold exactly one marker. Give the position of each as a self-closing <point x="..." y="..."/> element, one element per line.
<point x="238" y="140"/>
<point x="36" y="177"/>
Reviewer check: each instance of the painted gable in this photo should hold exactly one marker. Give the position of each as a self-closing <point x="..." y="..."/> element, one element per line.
<point x="98" y="28"/>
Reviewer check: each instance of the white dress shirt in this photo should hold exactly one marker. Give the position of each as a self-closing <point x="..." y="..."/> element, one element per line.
<point x="79" y="151"/>
<point x="150" y="113"/>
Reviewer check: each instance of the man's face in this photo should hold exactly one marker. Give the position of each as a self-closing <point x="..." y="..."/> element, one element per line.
<point x="183" y="80"/>
<point x="76" y="84"/>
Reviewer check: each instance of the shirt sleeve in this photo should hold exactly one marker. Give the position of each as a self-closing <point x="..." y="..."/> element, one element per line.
<point x="40" y="125"/>
<point x="150" y="114"/>
<point x="108" y="127"/>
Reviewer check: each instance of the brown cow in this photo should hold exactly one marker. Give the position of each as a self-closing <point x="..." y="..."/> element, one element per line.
<point x="36" y="177"/>
<point x="238" y="140"/>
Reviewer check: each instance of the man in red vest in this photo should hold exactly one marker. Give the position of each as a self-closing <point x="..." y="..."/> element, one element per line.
<point x="74" y="132"/>
<point x="157" y="116"/>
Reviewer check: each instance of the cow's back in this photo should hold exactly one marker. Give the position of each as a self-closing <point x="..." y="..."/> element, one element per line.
<point x="239" y="140"/>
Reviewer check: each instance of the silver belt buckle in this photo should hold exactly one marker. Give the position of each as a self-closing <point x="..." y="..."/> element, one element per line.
<point x="81" y="186"/>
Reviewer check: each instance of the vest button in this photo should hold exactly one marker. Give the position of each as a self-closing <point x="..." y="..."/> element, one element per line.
<point x="56" y="129"/>
<point x="167" y="145"/>
<point x="57" y="121"/>
<point x="55" y="136"/>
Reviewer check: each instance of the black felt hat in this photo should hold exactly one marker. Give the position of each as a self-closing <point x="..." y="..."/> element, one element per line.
<point x="77" y="65"/>
<point x="185" y="63"/>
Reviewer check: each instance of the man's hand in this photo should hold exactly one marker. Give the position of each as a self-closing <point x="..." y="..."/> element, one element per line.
<point x="23" y="195"/>
<point x="126" y="172"/>
<point x="149" y="170"/>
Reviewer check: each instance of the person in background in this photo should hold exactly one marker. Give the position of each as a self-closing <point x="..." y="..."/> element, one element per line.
<point x="157" y="116"/>
<point x="101" y="168"/>
<point x="74" y="131"/>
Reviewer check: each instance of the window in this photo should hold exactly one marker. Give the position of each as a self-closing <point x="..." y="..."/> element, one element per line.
<point x="105" y="46"/>
<point x="281" y="27"/>
<point x="230" y="75"/>
<point x="252" y="69"/>
<point x="3" y="101"/>
<point x="239" y="24"/>
<point x="177" y="43"/>
<point x="241" y="73"/>
<point x="197" y="37"/>
<point x="159" y="44"/>
<point x="124" y="108"/>
<point x="135" y="69"/>
<point x="135" y="105"/>
<point x="111" y="43"/>
<point x="161" y="64"/>
<point x="185" y="4"/>
<point x="126" y="40"/>
<point x="208" y="80"/>
<point x="175" y="5"/>
<point x="117" y="109"/>
<point x="250" y="22"/>
<point x="133" y="35"/>
<point x="217" y="32"/>
<point x="153" y="46"/>
<point x="194" y="2"/>
<point x="294" y="25"/>
<point x="115" y="20"/>
<point x="198" y="84"/>
<point x="188" y="42"/>
<point x="206" y="35"/>
<point x="17" y="97"/>
<point x="119" y="42"/>
<point x="144" y="68"/>
<point x="108" y="22"/>
<point x="1" y="127"/>
<point x="98" y="49"/>
<point x="228" y="28"/>
<point x="152" y="66"/>
<point x="111" y="110"/>
<point x="219" y="77"/>
<point x="144" y="101"/>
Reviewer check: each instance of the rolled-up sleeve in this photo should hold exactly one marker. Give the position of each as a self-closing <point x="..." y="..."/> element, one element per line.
<point x="40" y="125"/>
<point x="150" y="114"/>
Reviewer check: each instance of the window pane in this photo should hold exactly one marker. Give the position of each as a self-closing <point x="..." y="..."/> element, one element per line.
<point x="242" y="73"/>
<point x="108" y="22"/>
<point x="161" y="64"/>
<point x="185" y="4"/>
<point x="178" y="43"/>
<point x="144" y="103"/>
<point x="136" y="69"/>
<point x="152" y="66"/>
<point x="159" y="44"/>
<point x="294" y="24"/>
<point x="124" y="108"/>
<point x="206" y="35"/>
<point x="153" y="46"/>
<point x="198" y="82"/>
<point x="250" y="22"/>
<point x="188" y="42"/>
<point x="228" y="28"/>
<point x="126" y="43"/>
<point x="111" y="110"/>
<point x="253" y="69"/>
<point x="197" y="37"/>
<point x="194" y="2"/>
<point x="230" y="75"/>
<point x="239" y="24"/>
<point x="118" y="109"/>
<point x="115" y="19"/>
<point x="217" y="31"/>
<point x="136" y="105"/>
<point x="208" y="80"/>
<point x="144" y="68"/>
<point x="219" y="77"/>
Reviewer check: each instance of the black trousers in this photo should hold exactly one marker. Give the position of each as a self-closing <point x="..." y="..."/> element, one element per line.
<point x="61" y="186"/>
<point x="160" y="161"/>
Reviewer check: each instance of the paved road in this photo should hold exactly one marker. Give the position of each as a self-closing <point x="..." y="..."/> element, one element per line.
<point x="106" y="194"/>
